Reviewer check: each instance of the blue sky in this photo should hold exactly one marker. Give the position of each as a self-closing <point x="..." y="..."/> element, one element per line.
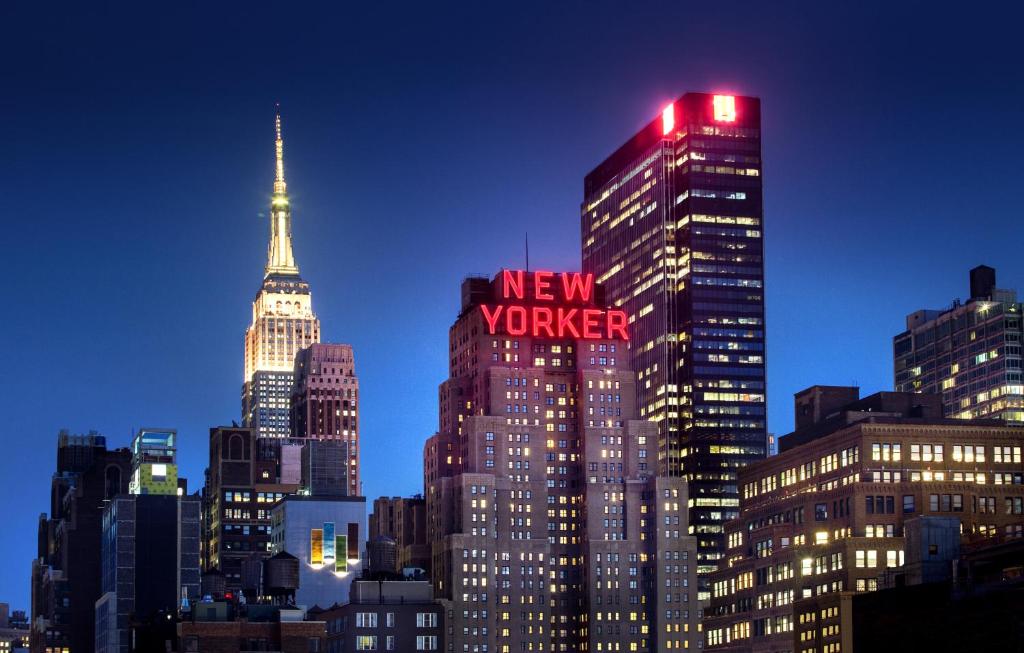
<point x="422" y="142"/>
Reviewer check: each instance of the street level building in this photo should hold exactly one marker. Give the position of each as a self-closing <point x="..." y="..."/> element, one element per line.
<point x="282" y="324"/>
<point x="324" y="403"/>
<point x="970" y="353"/>
<point x="833" y="511"/>
<point x="549" y="527"/>
<point x="66" y="576"/>
<point x="403" y="520"/>
<point x="672" y="227"/>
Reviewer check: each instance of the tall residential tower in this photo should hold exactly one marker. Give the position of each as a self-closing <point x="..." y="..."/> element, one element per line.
<point x="970" y="353"/>
<point x="671" y="226"/>
<point x="283" y="321"/>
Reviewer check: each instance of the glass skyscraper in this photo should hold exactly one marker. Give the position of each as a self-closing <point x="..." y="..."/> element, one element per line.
<point x="671" y="226"/>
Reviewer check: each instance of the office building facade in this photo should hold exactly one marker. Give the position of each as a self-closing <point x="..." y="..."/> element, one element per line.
<point x="325" y="468"/>
<point x="325" y="400"/>
<point x="831" y="513"/>
<point x="549" y="528"/>
<point x="150" y="563"/>
<point x="283" y="322"/>
<point x="149" y="548"/>
<point x="969" y="353"/>
<point x="672" y="227"/>
<point x="66" y="579"/>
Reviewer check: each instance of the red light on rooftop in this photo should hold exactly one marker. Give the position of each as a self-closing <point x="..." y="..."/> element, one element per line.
<point x="725" y="108"/>
<point x="668" y="119"/>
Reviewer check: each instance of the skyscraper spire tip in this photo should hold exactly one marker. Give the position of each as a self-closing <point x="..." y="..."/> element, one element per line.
<point x="279" y="185"/>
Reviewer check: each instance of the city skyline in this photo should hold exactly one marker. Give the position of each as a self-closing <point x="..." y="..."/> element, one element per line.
<point x="196" y="170"/>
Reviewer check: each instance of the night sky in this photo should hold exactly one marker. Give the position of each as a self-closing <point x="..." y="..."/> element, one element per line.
<point x="421" y="143"/>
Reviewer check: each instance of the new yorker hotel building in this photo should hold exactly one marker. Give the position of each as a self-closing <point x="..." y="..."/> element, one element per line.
<point x="549" y="528"/>
<point x="671" y="226"/>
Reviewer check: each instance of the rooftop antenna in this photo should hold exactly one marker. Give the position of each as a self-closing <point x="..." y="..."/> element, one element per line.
<point x="527" y="251"/>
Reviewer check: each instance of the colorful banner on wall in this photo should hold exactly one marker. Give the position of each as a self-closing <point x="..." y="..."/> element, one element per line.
<point x="329" y="551"/>
<point x="341" y="564"/>
<point x="316" y="546"/>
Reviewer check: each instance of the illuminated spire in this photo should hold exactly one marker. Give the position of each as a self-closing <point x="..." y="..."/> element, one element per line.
<point x="279" y="186"/>
<point x="279" y="253"/>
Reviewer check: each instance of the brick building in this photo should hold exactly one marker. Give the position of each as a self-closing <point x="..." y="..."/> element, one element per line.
<point x="404" y="520"/>
<point x="549" y="527"/>
<point x="386" y="616"/>
<point x="222" y="628"/>
<point x="243" y="483"/>
<point x="828" y="514"/>
<point x="324" y="403"/>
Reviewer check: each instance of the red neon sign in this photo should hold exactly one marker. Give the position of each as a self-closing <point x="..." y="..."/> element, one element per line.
<point x="552" y="306"/>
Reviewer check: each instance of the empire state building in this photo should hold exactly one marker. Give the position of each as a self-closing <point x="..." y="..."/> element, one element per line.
<point x="283" y="321"/>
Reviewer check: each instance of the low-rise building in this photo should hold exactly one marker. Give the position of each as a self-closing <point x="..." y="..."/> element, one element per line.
<point x="386" y="616"/>
<point x="828" y="514"/>
<point x="221" y="627"/>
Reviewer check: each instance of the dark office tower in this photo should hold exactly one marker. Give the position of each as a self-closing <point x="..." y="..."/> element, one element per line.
<point x="970" y="353"/>
<point x="324" y="403"/>
<point x="66" y="572"/>
<point x="324" y="468"/>
<point x="150" y="564"/>
<point x="149" y="552"/>
<point x="672" y="228"/>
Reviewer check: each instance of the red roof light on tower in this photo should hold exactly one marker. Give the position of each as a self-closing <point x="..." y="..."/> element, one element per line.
<point x="725" y="108"/>
<point x="668" y="119"/>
